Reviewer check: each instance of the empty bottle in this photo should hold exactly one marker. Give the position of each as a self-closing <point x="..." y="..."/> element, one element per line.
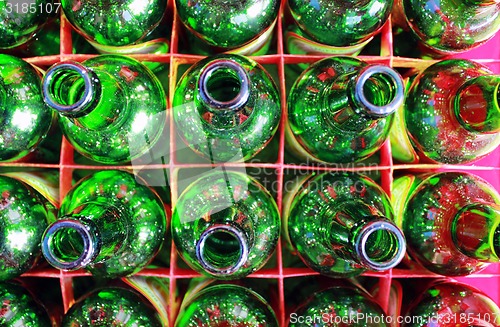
<point x="334" y="27"/>
<point x="24" y="215"/>
<point x="26" y="119"/>
<point x="447" y="26"/>
<point x="224" y="305"/>
<point x="225" y="225"/>
<point x="340" y="225"/>
<point x="109" y="223"/>
<point x="341" y="109"/>
<point x="226" y="108"/>
<point x="112" y="108"/>
<point x="450" y="221"/>
<point x="242" y="27"/>
<point x="451" y="112"/>
<point x="448" y="303"/>
<point x="18" y="308"/>
<point x="112" y="306"/>
<point x="339" y="306"/>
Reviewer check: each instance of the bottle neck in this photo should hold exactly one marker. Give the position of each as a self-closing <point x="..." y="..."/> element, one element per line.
<point x="376" y="91"/>
<point x="223" y="92"/>
<point x="75" y="91"/>
<point x="476" y="231"/>
<point x="222" y="249"/>
<point x="92" y="233"/>
<point x="476" y="104"/>
<point x="372" y="241"/>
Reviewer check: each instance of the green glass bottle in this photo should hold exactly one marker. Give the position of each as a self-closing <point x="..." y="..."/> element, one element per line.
<point x="18" y="308"/>
<point x="339" y="306"/>
<point x="451" y="112"/>
<point x="340" y="224"/>
<point x="24" y="216"/>
<point x="110" y="223"/>
<point x="450" y="221"/>
<point x="111" y="306"/>
<point x="20" y="21"/>
<point x="225" y="224"/>
<point x="354" y="24"/>
<point x="450" y="26"/>
<point x="341" y="109"/>
<point x="112" y="108"/>
<point x="226" y="108"/>
<point x="448" y="303"/>
<point x="225" y="305"/>
<point x="243" y="27"/>
<point x="24" y="117"/>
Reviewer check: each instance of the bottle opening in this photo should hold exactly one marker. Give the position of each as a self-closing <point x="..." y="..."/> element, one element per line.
<point x="68" y="87"/>
<point x="224" y="84"/>
<point x="380" y="90"/>
<point x="68" y="245"/>
<point x="222" y="250"/>
<point x="380" y="245"/>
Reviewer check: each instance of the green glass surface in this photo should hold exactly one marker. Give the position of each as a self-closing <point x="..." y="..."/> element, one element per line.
<point x="452" y="114"/>
<point x="227" y="24"/>
<point x="24" y="117"/>
<point x="448" y="303"/>
<point x="114" y="23"/>
<point x="111" y="306"/>
<point x="125" y="221"/>
<point x="450" y="222"/>
<point x="330" y="218"/>
<point x="19" y="309"/>
<point x="24" y="215"/>
<point x="235" y="216"/>
<point x="225" y="306"/>
<point x="112" y="108"/>
<point x="226" y="108"/>
<point x="340" y="23"/>
<point x="326" y="116"/>
<point x="20" y="21"/>
<point x="338" y="306"/>
<point x="449" y="26"/>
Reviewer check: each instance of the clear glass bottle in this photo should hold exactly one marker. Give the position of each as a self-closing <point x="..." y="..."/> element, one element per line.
<point x="354" y="24"/>
<point x="341" y="109"/>
<point x="25" y="118"/>
<point x="450" y="221"/>
<point x="451" y="26"/>
<point x="112" y="108"/>
<point x="226" y="108"/>
<point x="110" y="224"/>
<point x="225" y="225"/>
<point x="340" y="225"/>
<point x="448" y="303"/>
<point x="24" y="215"/>
<point x="452" y="114"/>
<point x="241" y="27"/>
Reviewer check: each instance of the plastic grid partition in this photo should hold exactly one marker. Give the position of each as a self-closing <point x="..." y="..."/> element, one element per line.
<point x="278" y="61"/>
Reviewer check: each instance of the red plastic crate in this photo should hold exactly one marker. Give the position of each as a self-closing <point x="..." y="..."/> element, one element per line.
<point x="177" y="165"/>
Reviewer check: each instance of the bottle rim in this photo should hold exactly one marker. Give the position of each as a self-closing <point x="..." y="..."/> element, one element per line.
<point x="395" y="77"/>
<point x="206" y="264"/>
<point x="59" y="69"/>
<point x="85" y="233"/>
<point x="362" y="245"/>
<point x="204" y="89"/>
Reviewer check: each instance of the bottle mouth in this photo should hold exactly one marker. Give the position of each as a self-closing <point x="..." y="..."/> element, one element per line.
<point x="68" y="245"/>
<point x="380" y="90"/>
<point x="222" y="250"/>
<point x="380" y="245"/>
<point x="224" y="84"/>
<point x="69" y="87"/>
